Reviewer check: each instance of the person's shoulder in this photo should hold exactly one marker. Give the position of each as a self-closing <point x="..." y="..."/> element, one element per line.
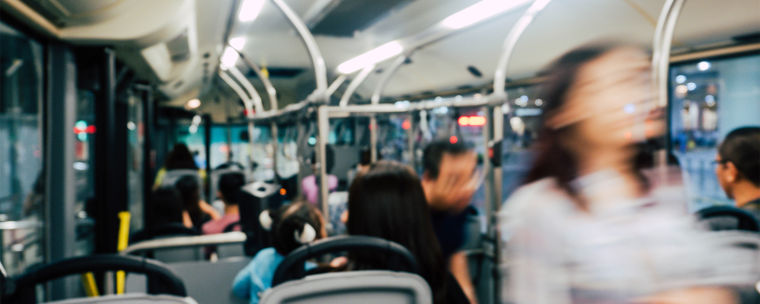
<point x="539" y="200"/>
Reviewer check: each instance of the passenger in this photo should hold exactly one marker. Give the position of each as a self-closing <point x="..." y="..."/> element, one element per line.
<point x="310" y="185"/>
<point x="230" y="188"/>
<point x="179" y="158"/>
<point x="388" y="202"/>
<point x="294" y="225"/>
<point x="197" y="212"/>
<point x="585" y="228"/>
<point x="164" y="216"/>
<point x="450" y="180"/>
<point x="738" y="168"/>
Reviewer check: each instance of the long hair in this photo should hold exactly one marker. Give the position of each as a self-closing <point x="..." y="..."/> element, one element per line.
<point x="190" y="192"/>
<point x="291" y="220"/>
<point x="388" y="202"/>
<point x="180" y="158"/>
<point x="553" y="158"/>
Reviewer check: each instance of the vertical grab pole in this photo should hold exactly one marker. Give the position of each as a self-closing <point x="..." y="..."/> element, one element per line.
<point x="323" y="127"/>
<point x="498" y="98"/>
<point x="663" y="39"/>
<point x="320" y="93"/>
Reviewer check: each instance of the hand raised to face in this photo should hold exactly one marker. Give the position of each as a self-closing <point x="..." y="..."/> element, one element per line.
<point x="457" y="181"/>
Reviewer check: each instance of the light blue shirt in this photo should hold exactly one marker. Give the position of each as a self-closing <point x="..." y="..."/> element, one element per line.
<point x="257" y="276"/>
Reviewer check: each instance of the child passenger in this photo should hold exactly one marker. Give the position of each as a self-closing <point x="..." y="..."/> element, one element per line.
<point x="294" y="225"/>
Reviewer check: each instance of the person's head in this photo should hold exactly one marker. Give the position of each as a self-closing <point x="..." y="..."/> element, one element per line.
<point x="190" y="191"/>
<point x="388" y="202"/>
<point x="329" y="157"/>
<point x="165" y="207"/>
<point x="294" y="225"/>
<point x="739" y="161"/>
<point x="597" y="99"/>
<point x="230" y="185"/>
<point x="180" y="158"/>
<point x="449" y="170"/>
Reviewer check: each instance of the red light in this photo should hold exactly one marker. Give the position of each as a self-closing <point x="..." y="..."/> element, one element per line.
<point x="283" y="191"/>
<point x="406" y="125"/>
<point x="453" y="139"/>
<point x="472" y="121"/>
<point x="90" y="129"/>
<point x="477" y="121"/>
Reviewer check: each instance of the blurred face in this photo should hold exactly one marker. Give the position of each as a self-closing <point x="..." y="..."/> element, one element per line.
<point x="457" y="182"/>
<point x="611" y="102"/>
<point x="726" y="173"/>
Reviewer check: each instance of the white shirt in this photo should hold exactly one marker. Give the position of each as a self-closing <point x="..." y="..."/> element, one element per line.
<point x="619" y="250"/>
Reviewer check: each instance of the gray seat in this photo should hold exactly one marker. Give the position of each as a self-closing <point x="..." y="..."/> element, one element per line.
<point x="130" y="298"/>
<point x="366" y="287"/>
<point x="206" y="282"/>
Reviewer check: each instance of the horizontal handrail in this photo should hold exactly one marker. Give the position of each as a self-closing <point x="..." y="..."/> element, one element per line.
<point x="235" y="237"/>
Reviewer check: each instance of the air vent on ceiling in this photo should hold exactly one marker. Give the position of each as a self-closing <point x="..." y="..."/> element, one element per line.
<point x="350" y="16"/>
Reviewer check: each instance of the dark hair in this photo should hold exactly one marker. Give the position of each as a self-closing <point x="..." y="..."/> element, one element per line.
<point x="230" y="185"/>
<point x="742" y="148"/>
<point x="365" y="156"/>
<point x="553" y="158"/>
<point x="165" y="207"/>
<point x="388" y="202"/>
<point x="180" y="158"/>
<point x="190" y="191"/>
<point x="433" y="154"/>
<point x="329" y="158"/>
<point x="291" y="220"/>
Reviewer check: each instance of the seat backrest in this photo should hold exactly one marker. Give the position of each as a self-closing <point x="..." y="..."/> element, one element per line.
<point x="172" y="176"/>
<point x="366" y="287"/>
<point x="206" y="281"/>
<point x="728" y="218"/>
<point x="131" y="299"/>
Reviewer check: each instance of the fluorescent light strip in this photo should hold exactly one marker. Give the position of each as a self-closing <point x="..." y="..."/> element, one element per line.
<point x="371" y="57"/>
<point x="229" y="58"/>
<point x="250" y="10"/>
<point x="238" y="43"/>
<point x="480" y="11"/>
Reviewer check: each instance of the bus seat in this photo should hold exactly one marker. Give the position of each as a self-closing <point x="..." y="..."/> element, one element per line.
<point x="206" y="282"/>
<point x="717" y="218"/>
<point x="162" y="280"/>
<point x="367" y="287"/>
<point x="129" y="298"/>
<point x="184" y="248"/>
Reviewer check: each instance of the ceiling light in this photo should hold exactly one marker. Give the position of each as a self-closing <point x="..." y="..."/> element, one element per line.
<point x="250" y="10"/>
<point x="680" y="79"/>
<point x="371" y="57"/>
<point x="480" y="11"/>
<point x="238" y="43"/>
<point x="703" y="66"/>
<point x="193" y="104"/>
<point x="229" y="58"/>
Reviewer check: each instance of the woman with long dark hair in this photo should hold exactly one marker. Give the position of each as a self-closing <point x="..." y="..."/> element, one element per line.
<point x="388" y="202"/>
<point x="179" y="158"/>
<point x="587" y="227"/>
<point x="196" y="211"/>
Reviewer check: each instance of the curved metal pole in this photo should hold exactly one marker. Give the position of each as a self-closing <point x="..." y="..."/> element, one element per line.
<point x="376" y="94"/>
<point x="663" y="63"/>
<point x="355" y="83"/>
<point x="500" y="77"/>
<point x="255" y="97"/>
<point x="246" y="102"/>
<point x="271" y="91"/>
<point x="336" y="84"/>
<point x="387" y="77"/>
<point x="320" y="69"/>
<point x="657" y="38"/>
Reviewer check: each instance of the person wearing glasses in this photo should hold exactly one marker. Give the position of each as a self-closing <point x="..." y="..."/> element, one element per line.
<point x="738" y="168"/>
